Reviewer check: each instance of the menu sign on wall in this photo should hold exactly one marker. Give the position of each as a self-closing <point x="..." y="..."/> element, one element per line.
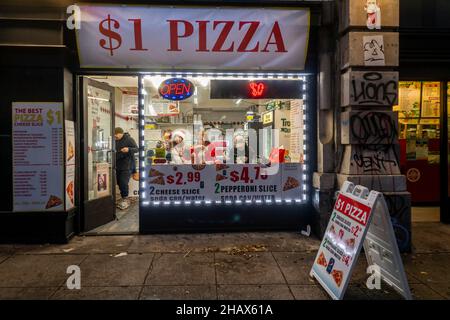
<point x="296" y="136"/>
<point x="409" y="98"/>
<point x="38" y="156"/>
<point x="431" y="95"/>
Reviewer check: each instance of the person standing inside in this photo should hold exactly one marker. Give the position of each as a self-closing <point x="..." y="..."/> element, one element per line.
<point x="180" y="153"/>
<point x="126" y="147"/>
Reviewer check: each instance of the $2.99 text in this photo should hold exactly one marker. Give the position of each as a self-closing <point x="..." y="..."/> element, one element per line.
<point x="178" y="178"/>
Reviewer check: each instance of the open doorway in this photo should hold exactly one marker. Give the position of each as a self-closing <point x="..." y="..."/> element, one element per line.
<point x="110" y="122"/>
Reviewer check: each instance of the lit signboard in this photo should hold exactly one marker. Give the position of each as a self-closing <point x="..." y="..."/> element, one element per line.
<point x="256" y="89"/>
<point x="176" y="89"/>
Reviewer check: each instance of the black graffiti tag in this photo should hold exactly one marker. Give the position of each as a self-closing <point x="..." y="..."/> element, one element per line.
<point x="373" y="163"/>
<point x="373" y="128"/>
<point x="373" y="90"/>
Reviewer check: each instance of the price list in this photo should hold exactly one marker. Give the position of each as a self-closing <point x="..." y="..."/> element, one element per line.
<point x="38" y="155"/>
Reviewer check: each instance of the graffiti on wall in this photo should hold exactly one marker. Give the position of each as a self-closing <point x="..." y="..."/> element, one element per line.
<point x="374" y="88"/>
<point x="373" y="47"/>
<point x="369" y="127"/>
<point x="399" y="206"/>
<point x="374" y="162"/>
<point x="371" y="160"/>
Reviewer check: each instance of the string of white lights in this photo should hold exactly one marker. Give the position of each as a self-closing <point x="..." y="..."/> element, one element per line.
<point x="210" y="75"/>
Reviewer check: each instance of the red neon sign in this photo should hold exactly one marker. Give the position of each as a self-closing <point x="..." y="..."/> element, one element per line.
<point x="257" y="89"/>
<point x="176" y="89"/>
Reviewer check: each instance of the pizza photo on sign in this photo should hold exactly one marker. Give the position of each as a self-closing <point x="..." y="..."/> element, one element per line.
<point x="350" y="243"/>
<point x="173" y="108"/>
<point x="337" y="276"/>
<point x="70" y="151"/>
<point x="333" y="230"/>
<point x="198" y="167"/>
<point x="221" y="167"/>
<point x="53" y="201"/>
<point x="220" y="177"/>
<point x="158" y="180"/>
<point x="322" y="261"/>
<point x="291" y="183"/>
<point x="155" y="173"/>
<point x="69" y="191"/>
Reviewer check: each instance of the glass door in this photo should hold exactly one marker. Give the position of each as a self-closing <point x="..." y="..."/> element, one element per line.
<point x="98" y="160"/>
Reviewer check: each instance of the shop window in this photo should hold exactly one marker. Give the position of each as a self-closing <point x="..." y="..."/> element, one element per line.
<point x="223" y="140"/>
<point x="419" y="137"/>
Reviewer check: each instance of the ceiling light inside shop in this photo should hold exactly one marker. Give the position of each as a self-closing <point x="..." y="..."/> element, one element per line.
<point x="203" y="81"/>
<point x="155" y="80"/>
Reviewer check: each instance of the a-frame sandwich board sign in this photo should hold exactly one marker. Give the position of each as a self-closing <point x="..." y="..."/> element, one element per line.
<point x="359" y="219"/>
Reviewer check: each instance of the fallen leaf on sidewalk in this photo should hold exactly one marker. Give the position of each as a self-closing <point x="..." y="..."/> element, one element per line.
<point x="68" y="250"/>
<point x="120" y="254"/>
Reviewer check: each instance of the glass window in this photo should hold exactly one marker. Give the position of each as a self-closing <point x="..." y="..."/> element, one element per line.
<point x="179" y="132"/>
<point x="419" y="138"/>
<point x="419" y="112"/>
<point x="99" y="142"/>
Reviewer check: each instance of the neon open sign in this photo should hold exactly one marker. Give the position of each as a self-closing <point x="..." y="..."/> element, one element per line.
<point x="176" y="89"/>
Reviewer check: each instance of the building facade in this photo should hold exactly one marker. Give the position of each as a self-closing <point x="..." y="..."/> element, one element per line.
<point x="354" y="61"/>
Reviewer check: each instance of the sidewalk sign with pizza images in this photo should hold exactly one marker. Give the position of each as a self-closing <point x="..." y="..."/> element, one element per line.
<point x="359" y="219"/>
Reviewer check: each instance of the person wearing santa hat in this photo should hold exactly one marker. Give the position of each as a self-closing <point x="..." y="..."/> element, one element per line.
<point x="180" y="153"/>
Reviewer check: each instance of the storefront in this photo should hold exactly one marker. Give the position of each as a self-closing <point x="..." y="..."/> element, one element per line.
<point x="222" y="110"/>
<point x="238" y="84"/>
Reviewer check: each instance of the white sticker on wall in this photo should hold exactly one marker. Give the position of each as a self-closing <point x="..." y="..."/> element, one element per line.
<point x="373" y="14"/>
<point x="374" y="51"/>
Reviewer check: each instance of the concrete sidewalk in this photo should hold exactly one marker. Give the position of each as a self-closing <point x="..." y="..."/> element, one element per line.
<point x="206" y="266"/>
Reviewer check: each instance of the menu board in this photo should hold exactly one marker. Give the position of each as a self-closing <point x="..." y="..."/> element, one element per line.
<point x="431" y="94"/>
<point x="296" y="136"/>
<point x="340" y="245"/>
<point x="38" y="156"/>
<point x="409" y="98"/>
<point x="223" y="182"/>
<point x="70" y="163"/>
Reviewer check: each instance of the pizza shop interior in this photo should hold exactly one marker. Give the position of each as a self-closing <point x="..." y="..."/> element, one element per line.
<point x="219" y="146"/>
